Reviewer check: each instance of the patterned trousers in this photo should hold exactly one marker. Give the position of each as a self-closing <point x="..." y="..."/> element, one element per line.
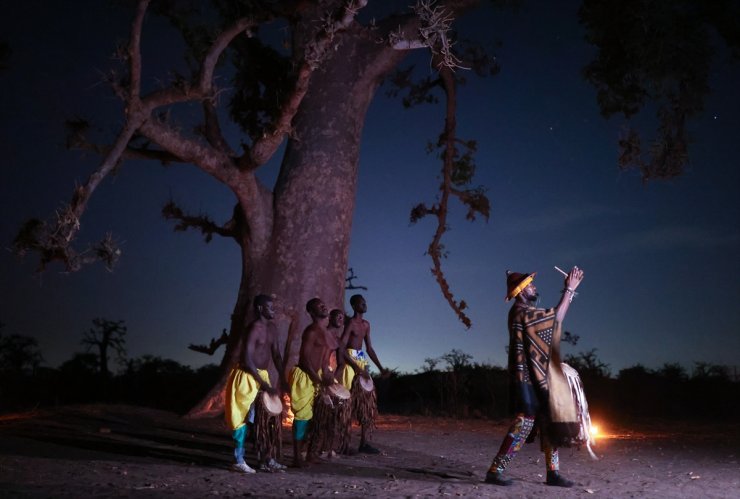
<point x="515" y="438"/>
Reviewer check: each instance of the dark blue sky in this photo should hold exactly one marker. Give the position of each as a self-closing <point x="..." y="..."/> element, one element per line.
<point x="661" y="259"/>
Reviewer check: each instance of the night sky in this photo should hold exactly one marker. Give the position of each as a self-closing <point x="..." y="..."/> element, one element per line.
<point x="661" y="260"/>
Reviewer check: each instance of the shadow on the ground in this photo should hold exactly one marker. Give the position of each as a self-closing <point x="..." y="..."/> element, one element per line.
<point x="121" y="432"/>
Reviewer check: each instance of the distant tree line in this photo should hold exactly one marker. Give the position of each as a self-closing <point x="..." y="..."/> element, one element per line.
<point x="150" y="381"/>
<point x="454" y="386"/>
<point x="451" y="385"/>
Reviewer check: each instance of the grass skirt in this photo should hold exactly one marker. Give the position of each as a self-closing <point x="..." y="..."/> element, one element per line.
<point x="364" y="406"/>
<point x="268" y="432"/>
<point x="330" y="422"/>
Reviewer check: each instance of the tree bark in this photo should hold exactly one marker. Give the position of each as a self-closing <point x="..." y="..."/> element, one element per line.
<point x="315" y="192"/>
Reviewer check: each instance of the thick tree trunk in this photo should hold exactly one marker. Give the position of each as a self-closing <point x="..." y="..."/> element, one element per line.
<point x="315" y="192"/>
<point x="103" y="349"/>
<point x="313" y="201"/>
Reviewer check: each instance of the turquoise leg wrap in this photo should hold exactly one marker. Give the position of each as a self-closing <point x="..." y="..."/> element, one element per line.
<point x="299" y="428"/>
<point x="239" y="435"/>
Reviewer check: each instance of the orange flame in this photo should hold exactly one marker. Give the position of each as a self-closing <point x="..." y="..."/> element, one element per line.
<point x="288" y="419"/>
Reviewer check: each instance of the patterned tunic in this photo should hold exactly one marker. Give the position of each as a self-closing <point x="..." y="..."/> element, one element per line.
<point x="538" y="386"/>
<point x="530" y="340"/>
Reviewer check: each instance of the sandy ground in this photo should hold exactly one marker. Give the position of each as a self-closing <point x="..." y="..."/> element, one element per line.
<point x="122" y="451"/>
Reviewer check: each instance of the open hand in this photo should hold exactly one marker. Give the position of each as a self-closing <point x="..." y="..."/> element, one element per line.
<point x="575" y="276"/>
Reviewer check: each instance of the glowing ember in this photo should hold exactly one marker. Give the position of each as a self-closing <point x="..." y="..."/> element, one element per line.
<point x="594" y="431"/>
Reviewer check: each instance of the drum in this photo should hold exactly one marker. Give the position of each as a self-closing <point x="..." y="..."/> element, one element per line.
<point x="366" y="383"/>
<point x="338" y="391"/>
<point x="268" y="425"/>
<point x="272" y="403"/>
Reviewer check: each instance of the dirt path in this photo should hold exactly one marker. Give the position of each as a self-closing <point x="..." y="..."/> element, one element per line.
<point x="122" y="451"/>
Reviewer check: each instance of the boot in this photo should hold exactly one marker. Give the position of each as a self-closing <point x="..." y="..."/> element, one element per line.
<point x="554" y="479"/>
<point x="497" y="478"/>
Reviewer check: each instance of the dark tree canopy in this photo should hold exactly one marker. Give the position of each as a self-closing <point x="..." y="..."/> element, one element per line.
<point x="657" y="54"/>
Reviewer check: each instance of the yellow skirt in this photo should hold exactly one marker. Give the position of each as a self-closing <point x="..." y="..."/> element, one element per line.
<point x="348" y="373"/>
<point x="302" y="393"/>
<point x="241" y="390"/>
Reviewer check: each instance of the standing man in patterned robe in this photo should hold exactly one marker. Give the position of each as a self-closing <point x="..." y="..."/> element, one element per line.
<point x="538" y="387"/>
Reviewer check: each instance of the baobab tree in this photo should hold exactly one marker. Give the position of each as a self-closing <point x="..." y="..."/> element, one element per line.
<point x="106" y="336"/>
<point x="18" y="353"/>
<point x="309" y="89"/>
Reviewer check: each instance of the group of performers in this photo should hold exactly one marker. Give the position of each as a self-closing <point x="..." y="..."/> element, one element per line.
<point x="329" y="387"/>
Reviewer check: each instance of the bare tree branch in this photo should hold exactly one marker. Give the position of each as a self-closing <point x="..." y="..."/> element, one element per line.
<point x="433" y="30"/>
<point x="351" y="277"/>
<point x="211" y="348"/>
<point x="54" y="241"/>
<point x="457" y="171"/>
<point x="219" y="45"/>
<point x="134" y="50"/>
<point x="435" y="249"/>
<point x="189" y="150"/>
<point x="201" y="222"/>
<point x="77" y="140"/>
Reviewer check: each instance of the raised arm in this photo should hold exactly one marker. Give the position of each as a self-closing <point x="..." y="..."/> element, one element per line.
<point x="575" y="276"/>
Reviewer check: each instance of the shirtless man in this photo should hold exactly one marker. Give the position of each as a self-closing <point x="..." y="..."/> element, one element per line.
<point x="335" y="330"/>
<point x="357" y="331"/>
<point x="337" y="360"/>
<point x="258" y="346"/>
<point x="311" y="372"/>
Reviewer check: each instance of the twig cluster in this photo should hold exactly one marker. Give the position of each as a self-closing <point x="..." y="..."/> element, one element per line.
<point x="434" y="29"/>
